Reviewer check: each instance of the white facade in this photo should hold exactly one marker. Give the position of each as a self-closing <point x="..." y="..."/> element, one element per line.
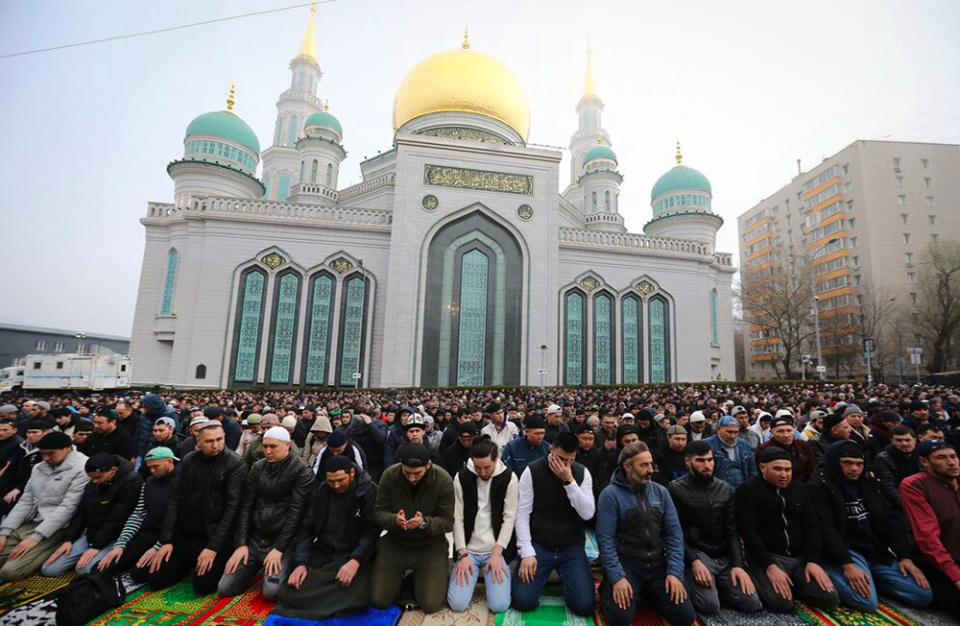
<point x="426" y="273"/>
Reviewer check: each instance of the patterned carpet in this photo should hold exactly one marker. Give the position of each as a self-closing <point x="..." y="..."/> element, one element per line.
<point x="21" y="592"/>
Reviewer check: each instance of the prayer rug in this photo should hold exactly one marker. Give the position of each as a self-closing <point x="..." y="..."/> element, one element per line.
<point x="591" y="546"/>
<point x="841" y="616"/>
<point x="249" y="609"/>
<point x="167" y="607"/>
<point x="366" y="617"/>
<point x="477" y="614"/>
<point x="552" y="611"/>
<point x="21" y="592"/>
<point x="728" y="617"/>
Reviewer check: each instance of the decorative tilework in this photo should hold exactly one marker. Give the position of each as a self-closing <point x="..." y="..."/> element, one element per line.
<point x="284" y="328"/>
<point x="473" y="319"/>
<point x="250" y="319"/>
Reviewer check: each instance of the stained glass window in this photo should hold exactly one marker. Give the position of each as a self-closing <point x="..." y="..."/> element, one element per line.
<point x="248" y="339"/>
<point x="473" y="319"/>
<point x="602" y="340"/>
<point x="284" y="327"/>
<point x="632" y="342"/>
<point x="573" y="344"/>
<point x="170" y="283"/>
<point x="659" y="341"/>
<point x="318" y="346"/>
<point x="714" y="334"/>
<point x="352" y="329"/>
<point x="283" y="187"/>
<point x="294" y="131"/>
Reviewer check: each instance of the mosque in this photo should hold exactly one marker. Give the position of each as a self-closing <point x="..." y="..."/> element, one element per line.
<point x="457" y="261"/>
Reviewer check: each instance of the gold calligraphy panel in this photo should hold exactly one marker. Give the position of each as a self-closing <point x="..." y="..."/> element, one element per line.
<point x="443" y="176"/>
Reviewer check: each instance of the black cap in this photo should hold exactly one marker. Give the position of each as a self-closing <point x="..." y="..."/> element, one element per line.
<point x="54" y="441"/>
<point x="338" y="463"/>
<point x="61" y="411"/>
<point x="584" y="428"/>
<point x="774" y="453"/>
<point x="39" y="425"/>
<point x="780" y="421"/>
<point x="336" y="439"/>
<point x="889" y="416"/>
<point x="626" y="429"/>
<point x="930" y="446"/>
<point x="102" y="462"/>
<point x="413" y="455"/>
<point x="830" y="420"/>
<point x="493" y="407"/>
<point x="212" y="412"/>
<point x="83" y="427"/>
<point x="467" y="428"/>
<point x="534" y="421"/>
<point x="917" y="405"/>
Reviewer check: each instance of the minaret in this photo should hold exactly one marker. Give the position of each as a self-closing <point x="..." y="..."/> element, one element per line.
<point x="600" y="182"/>
<point x="296" y="104"/>
<point x="589" y="111"/>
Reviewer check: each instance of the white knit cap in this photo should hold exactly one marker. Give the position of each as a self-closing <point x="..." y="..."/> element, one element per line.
<point x="277" y="432"/>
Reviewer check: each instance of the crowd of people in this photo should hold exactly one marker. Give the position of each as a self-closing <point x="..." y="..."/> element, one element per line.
<point x="700" y="496"/>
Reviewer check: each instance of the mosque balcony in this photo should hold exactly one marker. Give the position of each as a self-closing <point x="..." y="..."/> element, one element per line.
<point x="582" y="238"/>
<point x="165" y="327"/>
<point x="293" y="94"/>
<point x="313" y="193"/>
<point x="610" y="222"/>
<point x="270" y="211"/>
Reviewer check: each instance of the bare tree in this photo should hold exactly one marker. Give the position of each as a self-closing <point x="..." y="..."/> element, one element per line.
<point x="876" y="318"/>
<point x="938" y="310"/>
<point x="778" y="306"/>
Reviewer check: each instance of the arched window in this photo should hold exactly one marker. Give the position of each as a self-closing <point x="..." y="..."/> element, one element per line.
<point x="472" y="342"/>
<point x="714" y="331"/>
<point x="248" y="326"/>
<point x="658" y="314"/>
<point x="170" y="282"/>
<point x="285" y="301"/>
<point x="574" y="346"/>
<point x="283" y="187"/>
<point x="352" y="323"/>
<point x="303" y="172"/>
<point x="278" y="131"/>
<point x="201" y="372"/>
<point x="603" y="340"/>
<point x="606" y="201"/>
<point x="293" y="133"/>
<point x="320" y="327"/>
<point x="632" y="324"/>
<point x="593" y="202"/>
<point x="329" y="175"/>
<point x="313" y="171"/>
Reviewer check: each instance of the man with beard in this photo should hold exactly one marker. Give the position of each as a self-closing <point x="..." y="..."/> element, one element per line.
<point x="733" y="458"/>
<point x="485" y="510"/>
<point x="370" y="435"/>
<point x="129" y="420"/>
<point x="897" y="461"/>
<point x="556" y="501"/>
<point x="712" y="548"/>
<point x="802" y="454"/>
<point x="591" y="458"/>
<point x="607" y="433"/>
<point x="781" y="536"/>
<point x="670" y="461"/>
<point x="641" y="544"/>
<point x="933" y="508"/>
<point x="107" y="500"/>
<point x="335" y="546"/>
<point x="415" y="505"/>
<point x="136" y="544"/>
<point x="698" y="428"/>
<point x="814" y="427"/>
<point x="649" y="433"/>
<point x="862" y="546"/>
<point x="274" y="500"/>
<point x="109" y="437"/>
<point x="553" y="424"/>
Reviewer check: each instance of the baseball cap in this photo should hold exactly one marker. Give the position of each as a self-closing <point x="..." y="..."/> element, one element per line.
<point x="930" y="446"/>
<point x="697" y="416"/>
<point x="166" y="421"/>
<point x="676" y="430"/>
<point x="737" y="410"/>
<point x="254" y="418"/>
<point x="160" y="452"/>
<point x="553" y="408"/>
<point x="413" y="455"/>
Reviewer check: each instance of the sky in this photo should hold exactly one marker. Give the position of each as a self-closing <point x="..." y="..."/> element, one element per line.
<point x="748" y="87"/>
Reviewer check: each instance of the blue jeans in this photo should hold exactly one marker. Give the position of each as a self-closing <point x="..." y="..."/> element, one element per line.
<point x="498" y="594"/>
<point x="885" y="577"/>
<point x="66" y="562"/>
<point x="574" y="569"/>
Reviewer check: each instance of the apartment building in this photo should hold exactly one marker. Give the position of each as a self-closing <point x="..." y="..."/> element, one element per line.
<point x="861" y="218"/>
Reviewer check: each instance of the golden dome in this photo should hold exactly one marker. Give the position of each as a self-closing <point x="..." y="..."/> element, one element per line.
<point x="463" y="80"/>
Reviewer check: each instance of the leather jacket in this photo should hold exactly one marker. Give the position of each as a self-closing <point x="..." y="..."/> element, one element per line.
<point x="707" y="518"/>
<point x="274" y="501"/>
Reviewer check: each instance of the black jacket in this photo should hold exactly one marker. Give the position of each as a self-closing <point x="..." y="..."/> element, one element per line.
<point x="274" y="501"/>
<point x="707" y="517"/>
<point x="224" y="477"/>
<point x="10" y="454"/>
<point x="891" y="466"/>
<point x="777" y="521"/>
<point x="593" y="460"/>
<point x="831" y="508"/>
<point x="454" y="458"/>
<point x="118" y="442"/>
<point x="670" y="464"/>
<point x="311" y="549"/>
<point x="175" y="443"/>
<point x="105" y="508"/>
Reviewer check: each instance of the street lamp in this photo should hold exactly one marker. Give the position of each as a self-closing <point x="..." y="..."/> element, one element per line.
<point x="816" y="305"/>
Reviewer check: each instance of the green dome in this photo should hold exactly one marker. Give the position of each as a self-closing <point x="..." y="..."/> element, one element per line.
<point x="681" y="177"/>
<point x="227" y="125"/>
<point x="324" y="119"/>
<point x="600" y="152"/>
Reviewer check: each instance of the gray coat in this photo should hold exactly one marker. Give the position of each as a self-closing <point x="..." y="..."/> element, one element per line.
<point x="51" y="497"/>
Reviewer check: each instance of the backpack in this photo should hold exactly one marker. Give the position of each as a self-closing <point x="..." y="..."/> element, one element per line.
<point x="87" y="598"/>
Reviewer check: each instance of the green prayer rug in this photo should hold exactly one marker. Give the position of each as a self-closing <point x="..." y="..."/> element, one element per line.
<point x="551" y="612"/>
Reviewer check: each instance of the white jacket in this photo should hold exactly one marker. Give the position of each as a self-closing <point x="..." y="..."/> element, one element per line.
<point x="502" y="437"/>
<point x="51" y="497"/>
<point x="483" y="540"/>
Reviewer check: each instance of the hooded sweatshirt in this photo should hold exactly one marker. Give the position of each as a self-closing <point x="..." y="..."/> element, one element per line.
<point x="484" y="536"/>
